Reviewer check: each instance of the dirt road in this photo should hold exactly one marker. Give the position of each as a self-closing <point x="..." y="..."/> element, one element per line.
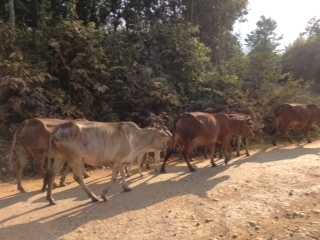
<point x="273" y="194"/>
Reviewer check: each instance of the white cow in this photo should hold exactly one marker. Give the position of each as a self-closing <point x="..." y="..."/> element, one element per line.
<point x="156" y="152"/>
<point x="99" y="144"/>
<point x="144" y="158"/>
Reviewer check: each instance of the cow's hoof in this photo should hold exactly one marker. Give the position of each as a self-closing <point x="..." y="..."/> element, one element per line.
<point x="51" y="203"/>
<point x="86" y="175"/>
<point x="104" y="198"/>
<point x="63" y="184"/>
<point x="192" y="170"/>
<point x="127" y="189"/>
<point x="95" y="199"/>
<point x="214" y="165"/>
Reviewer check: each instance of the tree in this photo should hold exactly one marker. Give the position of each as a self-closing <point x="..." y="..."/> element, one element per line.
<point x="215" y="19"/>
<point x="264" y="81"/>
<point x="263" y="38"/>
<point x="302" y="57"/>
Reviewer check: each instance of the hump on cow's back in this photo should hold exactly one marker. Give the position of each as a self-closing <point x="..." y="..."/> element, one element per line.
<point x="68" y="130"/>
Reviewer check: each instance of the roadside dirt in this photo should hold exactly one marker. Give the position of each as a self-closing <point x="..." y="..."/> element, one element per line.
<point x="273" y="194"/>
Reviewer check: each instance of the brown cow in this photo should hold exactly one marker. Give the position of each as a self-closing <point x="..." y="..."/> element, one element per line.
<point x="288" y="115"/>
<point x="34" y="136"/>
<point x="257" y="125"/>
<point x="98" y="144"/>
<point x="205" y="129"/>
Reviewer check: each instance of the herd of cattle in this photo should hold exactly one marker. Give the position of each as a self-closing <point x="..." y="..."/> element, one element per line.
<point x="80" y="142"/>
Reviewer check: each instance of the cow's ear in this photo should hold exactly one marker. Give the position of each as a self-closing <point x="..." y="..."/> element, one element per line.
<point x="249" y="123"/>
<point x="164" y="134"/>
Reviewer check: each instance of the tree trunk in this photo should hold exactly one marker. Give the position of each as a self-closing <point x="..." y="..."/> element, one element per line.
<point x="191" y="12"/>
<point x="12" y="18"/>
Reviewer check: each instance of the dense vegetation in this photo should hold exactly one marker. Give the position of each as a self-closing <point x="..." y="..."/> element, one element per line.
<point x="145" y="61"/>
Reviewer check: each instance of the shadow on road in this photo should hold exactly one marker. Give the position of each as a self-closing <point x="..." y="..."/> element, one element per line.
<point x="152" y="188"/>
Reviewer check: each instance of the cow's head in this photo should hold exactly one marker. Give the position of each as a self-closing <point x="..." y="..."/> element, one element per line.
<point x="166" y="134"/>
<point x="247" y="129"/>
<point x="257" y="121"/>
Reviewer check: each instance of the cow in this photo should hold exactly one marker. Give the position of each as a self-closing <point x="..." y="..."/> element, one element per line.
<point x="99" y="144"/>
<point x="257" y="126"/>
<point x="288" y="115"/>
<point x="205" y="129"/>
<point x="34" y="135"/>
<point x="156" y="153"/>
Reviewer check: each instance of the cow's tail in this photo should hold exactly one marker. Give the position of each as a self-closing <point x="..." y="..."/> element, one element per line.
<point x="46" y="177"/>
<point x="173" y="143"/>
<point x="275" y="125"/>
<point x="54" y="130"/>
<point x="14" y="140"/>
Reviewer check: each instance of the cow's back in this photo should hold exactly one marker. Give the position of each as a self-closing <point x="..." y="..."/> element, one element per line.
<point x="99" y="143"/>
<point x="294" y="114"/>
<point x="34" y="134"/>
<point x="224" y="126"/>
<point x="196" y="127"/>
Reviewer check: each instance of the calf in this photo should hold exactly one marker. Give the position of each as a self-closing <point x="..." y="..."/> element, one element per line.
<point x="156" y="152"/>
<point x="257" y="125"/>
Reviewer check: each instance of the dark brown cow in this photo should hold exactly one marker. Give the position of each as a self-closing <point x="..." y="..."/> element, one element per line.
<point x="289" y="115"/>
<point x="34" y="136"/>
<point x="205" y="129"/>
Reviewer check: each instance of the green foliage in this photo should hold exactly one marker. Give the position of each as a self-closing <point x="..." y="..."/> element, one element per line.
<point x="141" y="61"/>
<point x="302" y="57"/>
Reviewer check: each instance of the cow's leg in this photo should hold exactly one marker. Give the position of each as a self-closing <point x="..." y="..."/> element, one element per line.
<point x="85" y="173"/>
<point x="22" y="161"/>
<point x="115" y="172"/>
<point x="185" y="154"/>
<point x="306" y="133"/>
<point x="286" y="134"/>
<point x="246" y="143"/>
<point x="274" y="140"/>
<point x="213" y="151"/>
<point x="77" y="169"/>
<point x="221" y="152"/>
<point x="157" y="160"/>
<point x="38" y="156"/>
<point x="145" y="160"/>
<point x="128" y="167"/>
<point x="124" y="184"/>
<point x="49" y="179"/>
<point x="168" y="154"/>
<point x="139" y="162"/>
<point x="239" y="143"/>
<point x="64" y="175"/>
<point x="228" y="149"/>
